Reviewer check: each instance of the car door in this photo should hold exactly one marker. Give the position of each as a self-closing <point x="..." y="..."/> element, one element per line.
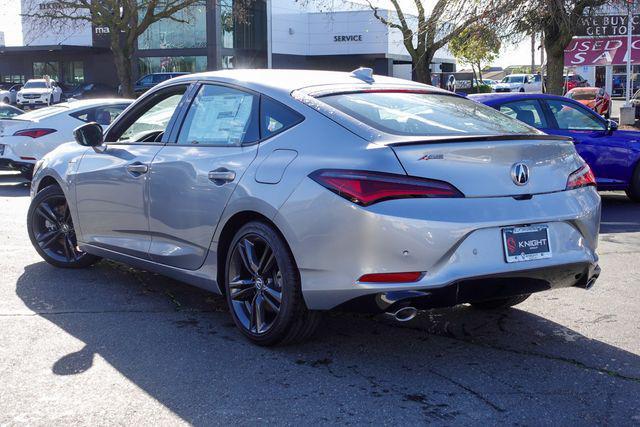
<point x="607" y="155"/>
<point x="112" y="181"/>
<point x="196" y="172"/>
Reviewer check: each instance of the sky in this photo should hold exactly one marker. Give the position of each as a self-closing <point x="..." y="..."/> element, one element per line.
<point x="513" y="54"/>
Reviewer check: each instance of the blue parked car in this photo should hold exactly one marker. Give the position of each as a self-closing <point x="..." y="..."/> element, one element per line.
<point x="614" y="155"/>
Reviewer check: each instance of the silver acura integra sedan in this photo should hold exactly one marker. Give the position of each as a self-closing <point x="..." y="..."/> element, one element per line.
<point x="295" y="192"/>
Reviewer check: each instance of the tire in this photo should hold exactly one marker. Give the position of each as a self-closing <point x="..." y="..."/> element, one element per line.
<point x="521" y="90"/>
<point x="51" y="230"/>
<point x="6" y="101"/>
<point x="50" y="99"/>
<point x="500" y="303"/>
<point x="633" y="192"/>
<point x="259" y="269"/>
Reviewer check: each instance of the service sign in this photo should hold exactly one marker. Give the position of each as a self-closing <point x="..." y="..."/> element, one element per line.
<point x="601" y="51"/>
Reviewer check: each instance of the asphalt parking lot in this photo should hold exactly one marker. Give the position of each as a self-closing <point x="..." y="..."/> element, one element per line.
<point x="114" y="345"/>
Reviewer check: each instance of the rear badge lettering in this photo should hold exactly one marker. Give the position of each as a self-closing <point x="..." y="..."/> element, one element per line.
<point x="432" y="157"/>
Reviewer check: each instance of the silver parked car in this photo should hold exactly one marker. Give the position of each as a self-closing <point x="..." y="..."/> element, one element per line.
<point x="296" y="192"/>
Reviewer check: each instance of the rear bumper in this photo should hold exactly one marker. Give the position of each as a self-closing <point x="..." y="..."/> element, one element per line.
<point x="581" y="275"/>
<point x="12" y="165"/>
<point x="451" y="241"/>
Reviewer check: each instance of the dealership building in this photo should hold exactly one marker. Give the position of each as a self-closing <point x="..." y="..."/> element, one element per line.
<point x="599" y="51"/>
<point x="276" y="34"/>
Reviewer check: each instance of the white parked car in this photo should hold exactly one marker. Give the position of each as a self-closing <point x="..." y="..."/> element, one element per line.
<point x="9" y="93"/>
<point x="38" y="92"/>
<point x="25" y="139"/>
<point x="520" y="83"/>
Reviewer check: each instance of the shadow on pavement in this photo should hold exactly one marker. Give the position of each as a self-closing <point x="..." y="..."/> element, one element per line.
<point x="619" y="214"/>
<point x="179" y="345"/>
<point x="13" y="185"/>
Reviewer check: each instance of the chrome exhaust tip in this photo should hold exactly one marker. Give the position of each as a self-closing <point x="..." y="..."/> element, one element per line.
<point x="404" y="314"/>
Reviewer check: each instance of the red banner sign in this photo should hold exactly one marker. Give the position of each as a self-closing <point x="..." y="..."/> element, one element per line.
<point x="601" y="51"/>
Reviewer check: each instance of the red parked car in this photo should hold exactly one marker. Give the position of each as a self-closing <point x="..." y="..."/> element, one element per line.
<point x="595" y="98"/>
<point x="572" y="81"/>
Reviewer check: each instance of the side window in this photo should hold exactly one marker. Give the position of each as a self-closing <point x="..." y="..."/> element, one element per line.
<point x="572" y="117"/>
<point x="149" y="121"/>
<point x="220" y="116"/>
<point x="105" y="115"/>
<point x="146" y="80"/>
<point x="275" y="117"/>
<point x="528" y="111"/>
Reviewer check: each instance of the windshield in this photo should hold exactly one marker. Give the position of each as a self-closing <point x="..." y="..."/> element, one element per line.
<point x="513" y="79"/>
<point x="583" y="95"/>
<point x="35" y="85"/>
<point x="425" y="114"/>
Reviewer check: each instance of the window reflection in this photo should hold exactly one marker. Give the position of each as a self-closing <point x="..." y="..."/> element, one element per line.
<point x="171" y="34"/>
<point x="163" y="64"/>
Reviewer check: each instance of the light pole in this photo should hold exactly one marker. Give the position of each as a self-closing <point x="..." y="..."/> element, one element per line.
<point x="629" y="50"/>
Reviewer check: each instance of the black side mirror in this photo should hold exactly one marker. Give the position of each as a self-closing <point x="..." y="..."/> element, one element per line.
<point x="611" y="126"/>
<point x="89" y="135"/>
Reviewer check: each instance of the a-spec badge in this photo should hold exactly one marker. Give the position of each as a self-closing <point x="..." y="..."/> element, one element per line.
<point x="432" y="157"/>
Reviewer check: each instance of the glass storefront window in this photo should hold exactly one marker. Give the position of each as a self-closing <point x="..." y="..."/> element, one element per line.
<point x="74" y="72"/>
<point x="13" y="78"/>
<point x="172" y="34"/>
<point x="50" y="68"/>
<point x="159" y="64"/>
<point x="247" y="33"/>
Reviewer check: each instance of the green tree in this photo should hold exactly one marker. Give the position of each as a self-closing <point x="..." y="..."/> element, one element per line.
<point x="476" y="45"/>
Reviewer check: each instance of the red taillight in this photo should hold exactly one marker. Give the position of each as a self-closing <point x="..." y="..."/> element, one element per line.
<point x="34" y="133"/>
<point x="413" y="276"/>
<point x="583" y="177"/>
<point x="366" y="188"/>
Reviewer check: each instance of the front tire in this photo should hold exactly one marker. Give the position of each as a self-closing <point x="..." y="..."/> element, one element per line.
<point x="52" y="233"/>
<point x="263" y="289"/>
<point x="6" y="101"/>
<point x="633" y="192"/>
<point x="500" y="303"/>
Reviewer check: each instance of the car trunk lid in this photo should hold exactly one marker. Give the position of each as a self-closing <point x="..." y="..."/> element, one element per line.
<point x="489" y="166"/>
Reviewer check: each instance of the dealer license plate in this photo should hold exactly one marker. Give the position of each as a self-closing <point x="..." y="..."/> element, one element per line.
<point x="526" y="243"/>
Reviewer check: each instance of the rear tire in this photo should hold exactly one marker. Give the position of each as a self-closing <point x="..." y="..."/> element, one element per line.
<point x="496" y="304"/>
<point x="633" y="192"/>
<point x="263" y="290"/>
<point x="51" y="230"/>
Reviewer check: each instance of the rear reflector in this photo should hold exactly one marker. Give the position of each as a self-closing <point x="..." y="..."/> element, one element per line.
<point x="583" y="177"/>
<point x="413" y="276"/>
<point x="34" y="133"/>
<point x="366" y="187"/>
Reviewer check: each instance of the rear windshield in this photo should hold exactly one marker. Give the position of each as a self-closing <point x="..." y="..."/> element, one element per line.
<point x="583" y="95"/>
<point x="425" y="114"/>
<point x="43" y="112"/>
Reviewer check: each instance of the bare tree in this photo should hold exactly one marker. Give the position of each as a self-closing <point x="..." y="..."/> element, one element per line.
<point x="125" y="20"/>
<point x="426" y="30"/>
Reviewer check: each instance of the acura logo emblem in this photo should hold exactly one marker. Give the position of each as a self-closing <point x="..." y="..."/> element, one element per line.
<point x="520" y="173"/>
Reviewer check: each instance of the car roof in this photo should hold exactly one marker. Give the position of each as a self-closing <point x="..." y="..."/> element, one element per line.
<point x="280" y="82"/>
<point x="499" y="98"/>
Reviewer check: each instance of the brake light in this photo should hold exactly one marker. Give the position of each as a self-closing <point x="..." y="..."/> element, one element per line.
<point x="583" y="177"/>
<point x="34" y="133"/>
<point x="366" y="188"/>
<point x="413" y="276"/>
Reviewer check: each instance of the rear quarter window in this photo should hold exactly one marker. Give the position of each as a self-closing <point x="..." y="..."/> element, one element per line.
<point x="275" y="117"/>
<point x="425" y="114"/>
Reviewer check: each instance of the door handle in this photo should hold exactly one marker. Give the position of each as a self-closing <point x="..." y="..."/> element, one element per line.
<point x="221" y="176"/>
<point x="137" y="168"/>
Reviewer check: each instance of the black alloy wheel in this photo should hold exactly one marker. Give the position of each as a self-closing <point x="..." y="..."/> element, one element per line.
<point x="255" y="285"/>
<point x="262" y="286"/>
<point x="52" y="232"/>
